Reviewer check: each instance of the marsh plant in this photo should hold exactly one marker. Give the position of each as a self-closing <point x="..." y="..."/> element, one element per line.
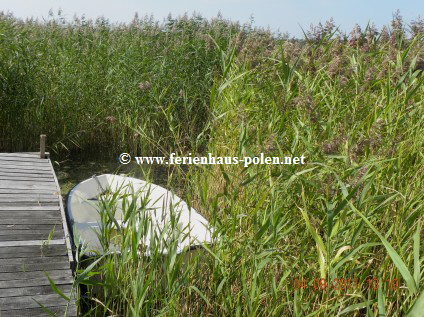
<point x="352" y="104"/>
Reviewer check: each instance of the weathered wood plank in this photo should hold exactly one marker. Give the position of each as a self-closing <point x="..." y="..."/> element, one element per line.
<point x="16" y="183"/>
<point x="26" y="185"/>
<point x="32" y="260"/>
<point x="33" y="173"/>
<point x="21" y="154"/>
<point x="20" y="162"/>
<point x="40" y="208"/>
<point x="8" y="167"/>
<point x="33" y="290"/>
<point x="46" y="214"/>
<point x="33" y="267"/>
<point x="23" y="302"/>
<point x="23" y="221"/>
<point x="29" y="203"/>
<point x="38" y="312"/>
<point x="36" y="179"/>
<point x="31" y="242"/>
<point x="65" y="225"/>
<point x="54" y="274"/>
<point x="21" y="201"/>
<point x="33" y="251"/>
<point x="12" y="231"/>
<point x="36" y="228"/>
<point x="27" y="191"/>
<point x="30" y="235"/>
<point x="19" y="158"/>
<point x="28" y="195"/>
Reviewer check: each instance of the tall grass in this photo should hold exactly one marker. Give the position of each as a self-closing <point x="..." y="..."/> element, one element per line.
<point x="88" y="84"/>
<point x="351" y="104"/>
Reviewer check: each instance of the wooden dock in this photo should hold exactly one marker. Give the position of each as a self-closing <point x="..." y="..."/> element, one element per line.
<point x="34" y="239"/>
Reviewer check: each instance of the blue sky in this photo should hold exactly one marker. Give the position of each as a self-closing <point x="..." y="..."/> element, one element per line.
<point x="282" y="15"/>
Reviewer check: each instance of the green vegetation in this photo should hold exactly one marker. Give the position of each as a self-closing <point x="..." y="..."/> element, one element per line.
<point x="352" y="105"/>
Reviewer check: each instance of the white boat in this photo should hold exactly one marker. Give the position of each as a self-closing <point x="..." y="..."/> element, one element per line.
<point x="165" y="220"/>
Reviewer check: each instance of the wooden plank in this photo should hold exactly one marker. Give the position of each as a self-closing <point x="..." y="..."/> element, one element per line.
<point x="11" y="235"/>
<point x="33" y="290"/>
<point x="27" y="181"/>
<point x="17" y="166"/>
<point x="23" y="302"/>
<point x="21" y="154"/>
<point x="32" y="260"/>
<point x="61" y="278"/>
<point x="27" y="197"/>
<point x="19" y="162"/>
<point x="30" y="235"/>
<point x="35" y="173"/>
<point x="65" y="224"/>
<point x="25" y="172"/>
<point x="34" y="203"/>
<point x="24" y="200"/>
<point x="53" y="231"/>
<point x="31" y="242"/>
<point x="10" y="202"/>
<point x="8" y="167"/>
<point x="23" y="221"/>
<point x="35" y="179"/>
<point x="39" y="312"/>
<point x="33" y="251"/>
<point x="5" y="228"/>
<point x="33" y="267"/>
<point x="13" y="170"/>
<point x="27" y="191"/>
<point x="21" y="194"/>
<point x="20" y="158"/>
<point x="54" y="274"/>
<point x="33" y="153"/>
<point x="58" y="229"/>
<point x="39" y="208"/>
<point x="46" y="214"/>
<point x="26" y="185"/>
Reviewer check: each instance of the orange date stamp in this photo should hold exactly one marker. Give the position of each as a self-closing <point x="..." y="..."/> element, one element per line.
<point x="345" y="284"/>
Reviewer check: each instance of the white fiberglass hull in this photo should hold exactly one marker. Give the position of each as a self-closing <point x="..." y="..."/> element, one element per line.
<point x="165" y="220"/>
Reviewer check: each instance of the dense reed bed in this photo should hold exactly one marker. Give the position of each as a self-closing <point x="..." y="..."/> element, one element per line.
<point x="291" y="236"/>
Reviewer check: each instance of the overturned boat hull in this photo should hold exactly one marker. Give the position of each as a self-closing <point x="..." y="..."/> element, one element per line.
<point x="165" y="222"/>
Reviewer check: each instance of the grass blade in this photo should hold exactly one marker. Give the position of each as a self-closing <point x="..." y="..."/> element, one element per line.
<point x="397" y="260"/>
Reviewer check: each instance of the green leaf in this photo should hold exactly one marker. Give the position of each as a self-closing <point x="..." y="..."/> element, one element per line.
<point x="46" y="310"/>
<point x="200" y="294"/>
<point x="54" y="287"/>
<point x="380" y="295"/>
<point x="417" y="271"/>
<point x="418" y="308"/>
<point x="296" y="175"/>
<point x="82" y="276"/>
<point x="397" y="260"/>
<point x="354" y="307"/>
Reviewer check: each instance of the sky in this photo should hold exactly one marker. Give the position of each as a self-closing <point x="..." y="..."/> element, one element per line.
<point x="279" y="15"/>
